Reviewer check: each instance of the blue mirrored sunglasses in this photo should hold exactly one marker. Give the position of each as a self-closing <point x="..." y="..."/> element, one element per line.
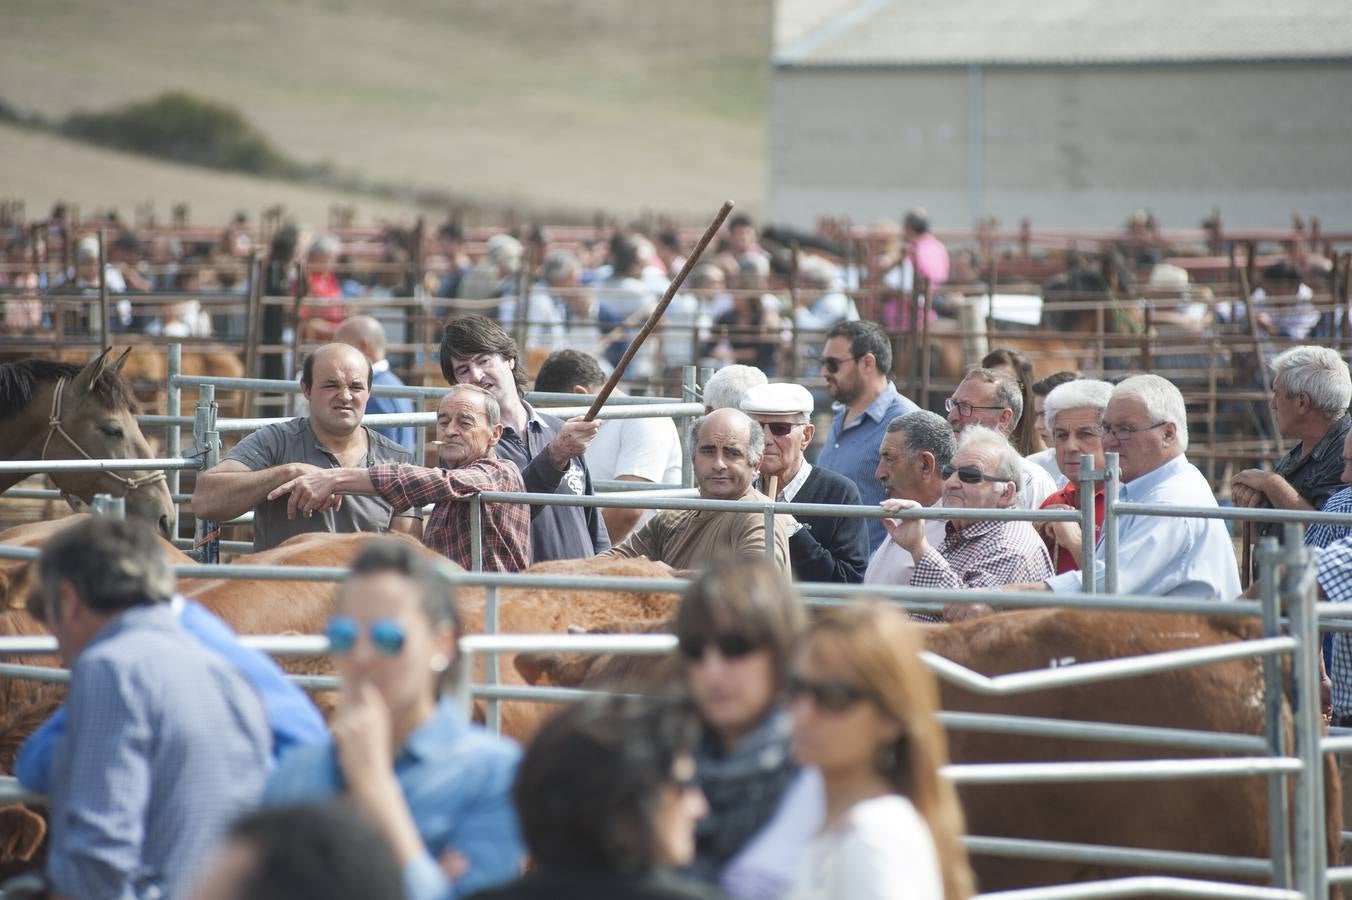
<point x="386" y="634"/>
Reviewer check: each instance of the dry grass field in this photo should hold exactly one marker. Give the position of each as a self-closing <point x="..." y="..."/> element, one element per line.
<point x="545" y="104"/>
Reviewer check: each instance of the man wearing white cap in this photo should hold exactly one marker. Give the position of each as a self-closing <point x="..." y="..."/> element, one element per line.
<point x="821" y="548"/>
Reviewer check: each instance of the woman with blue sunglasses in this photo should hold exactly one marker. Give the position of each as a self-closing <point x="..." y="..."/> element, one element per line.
<point x="437" y="786"/>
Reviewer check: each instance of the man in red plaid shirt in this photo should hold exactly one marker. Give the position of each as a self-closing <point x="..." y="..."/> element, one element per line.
<point x="468" y="427"/>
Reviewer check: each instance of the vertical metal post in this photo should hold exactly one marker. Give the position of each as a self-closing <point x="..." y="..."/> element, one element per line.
<point x="476" y="534"/>
<point x="689" y="394"/>
<point x="494" y="711"/>
<point x="464" y="680"/>
<point x="1088" y="581"/>
<point x="173" y="401"/>
<point x="1279" y="838"/>
<point x="770" y="531"/>
<point x="207" y="441"/>
<point x="1110" y="481"/>
<point x="1298" y="596"/>
<point x="105" y="321"/>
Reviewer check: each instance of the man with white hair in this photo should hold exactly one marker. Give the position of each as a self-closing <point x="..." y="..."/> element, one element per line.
<point x="993" y="400"/>
<point x="975" y="553"/>
<point x="1311" y="390"/>
<point x="726" y="448"/>
<point x="1074" y="416"/>
<point x="727" y="387"/>
<point x="822" y="548"/>
<point x="1146" y="424"/>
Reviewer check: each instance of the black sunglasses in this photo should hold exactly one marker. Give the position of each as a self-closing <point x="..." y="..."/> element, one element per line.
<point x="730" y="646"/>
<point x="832" y="364"/>
<point x="967" y="474"/>
<point x="832" y="696"/>
<point x="780" y="429"/>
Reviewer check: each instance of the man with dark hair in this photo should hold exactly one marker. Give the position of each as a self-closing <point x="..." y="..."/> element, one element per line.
<point x="336" y="380"/>
<point x="165" y="744"/>
<point x="911" y="458"/>
<point x="547" y="450"/>
<point x="642" y="450"/>
<point x="328" y="850"/>
<point x="855" y="363"/>
<point x="469" y="426"/>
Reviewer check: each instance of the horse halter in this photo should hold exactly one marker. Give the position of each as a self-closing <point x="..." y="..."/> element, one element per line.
<point x="54" y="427"/>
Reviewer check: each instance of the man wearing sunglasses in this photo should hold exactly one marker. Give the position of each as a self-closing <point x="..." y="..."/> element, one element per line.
<point x="975" y="553"/>
<point x="855" y="363"/>
<point x="1146" y="424"/>
<point x="822" y="548"/>
<point x="726" y="448"/>
<point x="993" y="400"/>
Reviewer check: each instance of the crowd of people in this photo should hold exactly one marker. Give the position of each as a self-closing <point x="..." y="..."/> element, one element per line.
<point x="782" y="759"/>
<point x="789" y="759"/>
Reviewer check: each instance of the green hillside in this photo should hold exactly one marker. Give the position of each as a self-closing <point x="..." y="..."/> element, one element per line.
<point x="596" y="104"/>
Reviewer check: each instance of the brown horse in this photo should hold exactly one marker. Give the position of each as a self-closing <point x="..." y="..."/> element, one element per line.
<point x="51" y="411"/>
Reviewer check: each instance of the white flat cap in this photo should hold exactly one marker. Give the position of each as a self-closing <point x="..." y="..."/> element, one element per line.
<point x="780" y="399"/>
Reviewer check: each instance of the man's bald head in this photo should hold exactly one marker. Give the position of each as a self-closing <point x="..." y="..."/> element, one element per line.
<point x="726" y="448"/>
<point x="335" y="352"/>
<point x="364" y="333"/>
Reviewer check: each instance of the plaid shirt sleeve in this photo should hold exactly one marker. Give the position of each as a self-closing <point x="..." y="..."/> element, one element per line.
<point x="407" y="486"/>
<point x="997" y="557"/>
<point x="1334" y="571"/>
<point x="1322" y="534"/>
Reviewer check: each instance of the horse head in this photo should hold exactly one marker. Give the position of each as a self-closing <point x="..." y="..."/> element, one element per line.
<point x="92" y="414"/>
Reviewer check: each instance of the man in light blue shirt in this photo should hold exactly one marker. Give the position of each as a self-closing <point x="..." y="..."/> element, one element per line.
<point x="1146" y="425"/>
<point x="166" y="743"/>
<point x="855" y="363"/>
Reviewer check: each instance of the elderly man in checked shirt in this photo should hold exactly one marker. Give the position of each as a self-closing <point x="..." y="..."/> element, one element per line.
<point x="469" y="424"/>
<point x="985" y="474"/>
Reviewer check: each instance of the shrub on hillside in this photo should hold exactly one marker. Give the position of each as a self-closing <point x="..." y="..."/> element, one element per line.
<point x="186" y="129"/>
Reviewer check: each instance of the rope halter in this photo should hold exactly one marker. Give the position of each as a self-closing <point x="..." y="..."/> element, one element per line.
<point x="54" y="427"/>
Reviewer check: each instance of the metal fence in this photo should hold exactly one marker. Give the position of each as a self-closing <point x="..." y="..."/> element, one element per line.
<point x="1298" y="866"/>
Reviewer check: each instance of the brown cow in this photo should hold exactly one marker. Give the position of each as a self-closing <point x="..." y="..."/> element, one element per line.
<point x="1224" y="815"/>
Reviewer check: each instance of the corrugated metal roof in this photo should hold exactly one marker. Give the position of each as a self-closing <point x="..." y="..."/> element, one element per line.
<point x="1059" y="32"/>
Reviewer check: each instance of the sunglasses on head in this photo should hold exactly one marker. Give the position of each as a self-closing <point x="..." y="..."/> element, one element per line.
<point x="386" y="634"/>
<point x="967" y="474"/>
<point x="832" y="364"/>
<point x="832" y="696"/>
<point x="730" y="646"/>
<point x="780" y="429"/>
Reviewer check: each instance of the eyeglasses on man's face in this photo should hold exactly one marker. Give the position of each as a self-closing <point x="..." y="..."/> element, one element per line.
<point x="832" y="364"/>
<point x="964" y="408"/>
<point x="1124" y="432"/>
<point x="967" y="474"/>
<point x="781" y="429"/>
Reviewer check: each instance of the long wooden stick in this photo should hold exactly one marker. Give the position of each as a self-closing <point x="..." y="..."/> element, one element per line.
<point x="637" y="342"/>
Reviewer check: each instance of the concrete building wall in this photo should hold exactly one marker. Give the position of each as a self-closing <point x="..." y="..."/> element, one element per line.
<point x="1064" y="146"/>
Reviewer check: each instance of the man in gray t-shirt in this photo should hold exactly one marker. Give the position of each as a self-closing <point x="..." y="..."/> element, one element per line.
<point x="336" y="381"/>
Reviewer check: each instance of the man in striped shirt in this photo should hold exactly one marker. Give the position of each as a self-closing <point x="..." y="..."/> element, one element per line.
<point x="469" y="425"/>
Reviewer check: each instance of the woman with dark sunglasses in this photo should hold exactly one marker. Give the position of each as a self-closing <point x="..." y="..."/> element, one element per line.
<point x="608" y="801"/>
<point x="738" y="628"/>
<point x="437" y="786"/>
<point x="864" y="714"/>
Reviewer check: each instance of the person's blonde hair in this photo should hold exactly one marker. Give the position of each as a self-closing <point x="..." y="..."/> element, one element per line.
<point x="882" y="648"/>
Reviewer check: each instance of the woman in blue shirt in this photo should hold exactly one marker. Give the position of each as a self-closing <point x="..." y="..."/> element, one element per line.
<point x="438" y="786"/>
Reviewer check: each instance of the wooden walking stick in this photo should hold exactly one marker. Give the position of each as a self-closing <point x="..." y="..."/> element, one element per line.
<point x="772" y="489"/>
<point x="604" y="394"/>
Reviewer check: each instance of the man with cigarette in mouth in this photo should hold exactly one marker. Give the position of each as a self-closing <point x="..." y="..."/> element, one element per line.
<point x="469" y="425"/>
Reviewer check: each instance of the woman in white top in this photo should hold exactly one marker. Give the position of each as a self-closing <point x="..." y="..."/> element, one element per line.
<point x="863" y="713"/>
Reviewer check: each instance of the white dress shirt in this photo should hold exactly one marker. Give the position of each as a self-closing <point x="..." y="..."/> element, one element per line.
<point x="1166" y="557"/>
<point x="1037" y="485"/>
<point x="1046" y="459"/>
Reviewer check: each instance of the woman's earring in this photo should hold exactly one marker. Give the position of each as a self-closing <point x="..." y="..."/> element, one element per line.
<point x="440" y="661"/>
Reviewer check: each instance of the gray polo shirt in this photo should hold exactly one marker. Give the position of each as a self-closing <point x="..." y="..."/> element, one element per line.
<point x="295" y="441"/>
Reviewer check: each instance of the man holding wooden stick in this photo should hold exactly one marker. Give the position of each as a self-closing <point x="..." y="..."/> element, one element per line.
<point x="548" y="451"/>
